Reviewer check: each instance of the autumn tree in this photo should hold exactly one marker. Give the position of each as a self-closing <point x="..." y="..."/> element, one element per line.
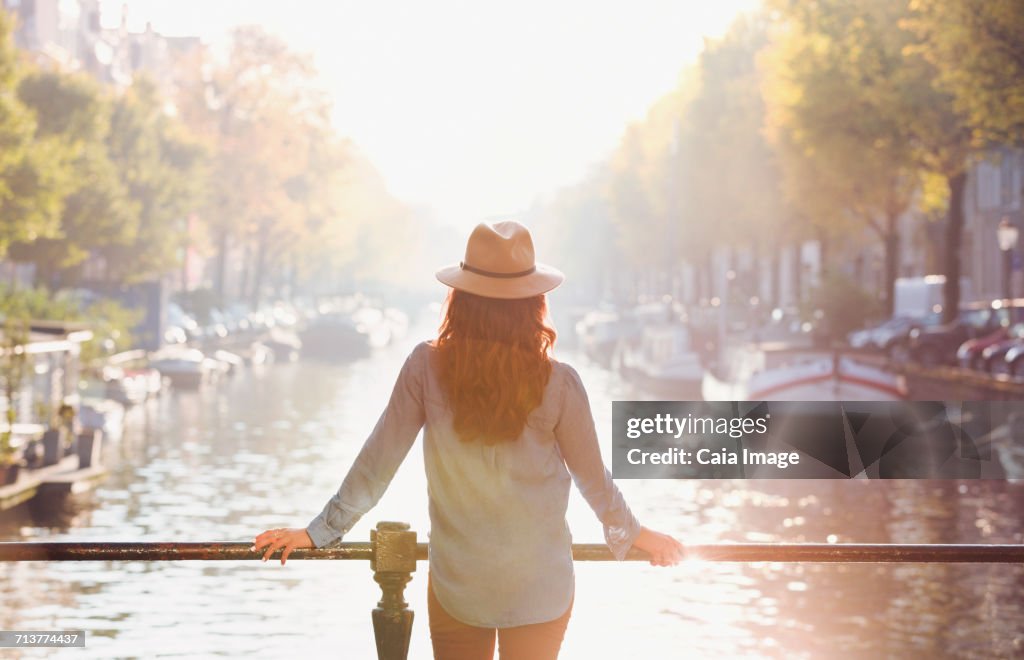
<point x="256" y="110"/>
<point x="289" y="193"/>
<point x="75" y="112"/>
<point x="575" y="224"/>
<point x="977" y="50"/>
<point x="944" y="143"/>
<point x="863" y="98"/>
<point x="637" y="207"/>
<point x="163" y="170"/>
<point x="835" y="117"/>
<point x="729" y="175"/>
<point x="697" y="173"/>
<point x="31" y="179"/>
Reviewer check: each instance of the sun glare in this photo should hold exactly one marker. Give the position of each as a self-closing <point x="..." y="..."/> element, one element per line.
<point x="467" y="109"/>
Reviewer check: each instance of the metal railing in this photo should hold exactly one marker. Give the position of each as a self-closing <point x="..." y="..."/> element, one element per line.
<point x="393" y="552"/>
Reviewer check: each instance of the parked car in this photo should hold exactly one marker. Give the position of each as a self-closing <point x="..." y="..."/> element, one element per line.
<point x="186" y="325"/>
<point x="784" y="326"/>
<point x="890" y="333"/>
<point x="237" y="318"/>
<point x="1012" y="361"/>
<point x="217" y="328"/>
<point x="1007" y="356"/>
<point x="979" y="353"/>
<point x="175" y="335"/>
<point x="938" y="345"/>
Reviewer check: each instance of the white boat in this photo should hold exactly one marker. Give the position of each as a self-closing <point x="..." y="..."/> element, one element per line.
<point x="185" y="367"/>
<point x="335" y="336"/>
<point x="599" y="332"/>
<point x="230" y="363"/>
<point x="663" y="363"/>
<point x="756" y="374"/>
<point x="605" y="331"/>
<point x="130" y="377"/>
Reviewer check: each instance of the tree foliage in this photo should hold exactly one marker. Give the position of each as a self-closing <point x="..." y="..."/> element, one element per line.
<point x="977" y="50"/>
<point x="96" y="206"/>
<point x="290" y="194"/>
<point x="695" y="173"/>
<point x="164" y="171"/>
<point x="31" y="179"/>
<point x="832" y="83"/>
<point x="115" y="179"/>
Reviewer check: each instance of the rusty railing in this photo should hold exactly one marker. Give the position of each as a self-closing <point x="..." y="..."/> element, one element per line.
<point x="393" y="552"/>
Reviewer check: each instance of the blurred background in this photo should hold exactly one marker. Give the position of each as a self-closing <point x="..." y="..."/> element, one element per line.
<point x="783" y="164"/>
<point x="219" y="224"/>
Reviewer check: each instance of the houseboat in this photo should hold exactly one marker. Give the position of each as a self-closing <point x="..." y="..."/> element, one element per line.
<point x="38" y="444"/>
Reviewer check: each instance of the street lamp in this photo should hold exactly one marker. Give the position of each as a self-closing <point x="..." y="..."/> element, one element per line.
<point x="723" y="309"/>
<point x="1007" y="235"/>
<point x="673" y="194"/>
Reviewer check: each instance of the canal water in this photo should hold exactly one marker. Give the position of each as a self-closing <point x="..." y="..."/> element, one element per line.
<point x="269" y="446"/>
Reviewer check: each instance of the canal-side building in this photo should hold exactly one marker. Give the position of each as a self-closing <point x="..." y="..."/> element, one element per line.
<point x="995" y="190"/>
<point x="75" y="35"/>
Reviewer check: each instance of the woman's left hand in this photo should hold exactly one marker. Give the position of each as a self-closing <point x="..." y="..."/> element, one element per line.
<point x="663" y="549"/>
<point x="284" y="539"/>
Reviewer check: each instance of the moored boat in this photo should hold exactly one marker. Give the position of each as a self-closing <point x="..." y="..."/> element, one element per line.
<point x="599" y="333"/>
<point x="186" y="368"/>
<point x="333" y="336"/>
<point x="663" y="363"/>
<point x="756" y="374"/>
<point x="130" y="377"/>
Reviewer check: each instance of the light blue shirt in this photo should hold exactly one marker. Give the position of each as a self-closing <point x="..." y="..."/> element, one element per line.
<point x="500" y="550"/>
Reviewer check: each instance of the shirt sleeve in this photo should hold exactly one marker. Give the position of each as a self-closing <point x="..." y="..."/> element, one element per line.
<point x="577" y="440"/>
<point x="382" y="453"/>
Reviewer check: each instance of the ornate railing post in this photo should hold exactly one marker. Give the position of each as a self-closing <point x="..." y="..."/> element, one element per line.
<point x="394" y="560"/>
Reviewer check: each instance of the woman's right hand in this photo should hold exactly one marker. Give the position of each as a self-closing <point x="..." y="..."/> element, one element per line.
<point x="663" y="549"/>
<point x="284" y="539"/>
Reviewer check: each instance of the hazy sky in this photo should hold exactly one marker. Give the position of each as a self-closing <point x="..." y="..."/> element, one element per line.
<point x="474" y="108"/>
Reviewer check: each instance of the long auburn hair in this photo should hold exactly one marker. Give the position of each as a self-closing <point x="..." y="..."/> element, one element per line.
<point x="494" y="363"/>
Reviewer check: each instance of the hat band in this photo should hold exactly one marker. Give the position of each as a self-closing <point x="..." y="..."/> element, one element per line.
<point x="487" y="273"/>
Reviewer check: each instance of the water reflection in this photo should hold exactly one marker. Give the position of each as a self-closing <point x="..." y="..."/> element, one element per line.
<point x="268" y="447"/>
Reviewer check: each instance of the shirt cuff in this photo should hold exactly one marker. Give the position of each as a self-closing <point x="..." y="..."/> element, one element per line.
<point x="620" y="539"/>
<point x="321" y="533"/>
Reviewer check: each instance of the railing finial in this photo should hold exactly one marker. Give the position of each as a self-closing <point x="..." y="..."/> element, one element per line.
<point x="394" y="560"/>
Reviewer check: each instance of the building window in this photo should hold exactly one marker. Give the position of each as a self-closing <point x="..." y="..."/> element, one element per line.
<point x="1006" y="178"/>
<point x="1017" y="181"/>
<point x="988" y="178"/>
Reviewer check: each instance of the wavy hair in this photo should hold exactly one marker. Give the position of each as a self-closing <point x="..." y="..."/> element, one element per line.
<point x="494" y="363"/>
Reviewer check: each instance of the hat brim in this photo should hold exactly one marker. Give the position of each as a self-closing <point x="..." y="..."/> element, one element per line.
<point x="543" y="279"/>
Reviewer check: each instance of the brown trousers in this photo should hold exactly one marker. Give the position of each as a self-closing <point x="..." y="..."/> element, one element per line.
<point x="454" y="640"/>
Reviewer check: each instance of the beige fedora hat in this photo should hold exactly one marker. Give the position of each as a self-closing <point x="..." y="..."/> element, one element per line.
<point x="499" y="263"/>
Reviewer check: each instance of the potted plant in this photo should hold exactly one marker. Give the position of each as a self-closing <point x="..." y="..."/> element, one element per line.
<point x="10" y="466"/>
<point x="32" y="455"/>
<point x="12" y="368"/>
<point x="66" y="419"/>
